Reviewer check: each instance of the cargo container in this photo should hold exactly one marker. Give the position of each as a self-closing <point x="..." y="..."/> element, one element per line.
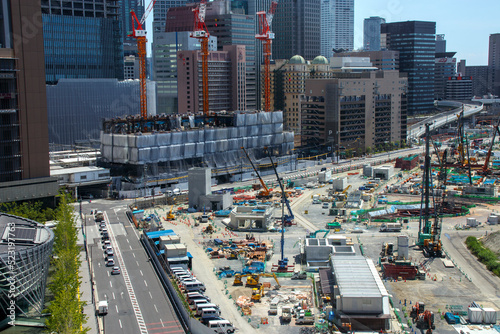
<point x="475" y="315"/>
<point x="489" y="316"/>
<point x="390" y="227"/>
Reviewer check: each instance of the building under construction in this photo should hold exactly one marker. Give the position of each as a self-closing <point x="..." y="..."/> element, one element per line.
<point x="158" y="151"/>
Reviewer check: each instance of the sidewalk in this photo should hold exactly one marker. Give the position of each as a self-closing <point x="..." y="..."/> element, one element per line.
<point x="86" y="289"/>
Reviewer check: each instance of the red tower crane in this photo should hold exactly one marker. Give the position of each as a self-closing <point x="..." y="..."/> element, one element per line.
<point x="266" y="36"/>
<point x="201" y="33"/>
<point x="139" y="33"/>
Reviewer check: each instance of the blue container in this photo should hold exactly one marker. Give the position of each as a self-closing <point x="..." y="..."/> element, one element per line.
<point x="450" y="318"/>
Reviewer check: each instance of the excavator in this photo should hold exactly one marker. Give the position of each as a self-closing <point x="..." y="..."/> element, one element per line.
<point x="170" y="214"/>
<point x="265" y="192"/>
<point x="253" y="279"/>
<point x="257" y="293"/>
<point x="313" y="234"/>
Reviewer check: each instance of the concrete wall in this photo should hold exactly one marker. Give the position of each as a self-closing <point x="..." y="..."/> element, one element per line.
<point x="198" y="185"/>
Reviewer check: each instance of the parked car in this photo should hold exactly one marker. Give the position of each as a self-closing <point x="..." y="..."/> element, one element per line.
<point x="106" y="243"/>
<point x="110" y="263"/>
<point x="115" y="271"/>
<point x="109" y="251"/>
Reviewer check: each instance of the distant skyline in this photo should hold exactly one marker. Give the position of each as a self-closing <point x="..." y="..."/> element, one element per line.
<point x="467" y="25"/>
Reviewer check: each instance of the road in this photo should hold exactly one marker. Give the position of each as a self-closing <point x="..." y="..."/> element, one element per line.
<point x="137" y="301"/>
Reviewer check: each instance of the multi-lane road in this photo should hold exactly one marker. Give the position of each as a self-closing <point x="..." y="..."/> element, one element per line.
<point x="137" y="301"/>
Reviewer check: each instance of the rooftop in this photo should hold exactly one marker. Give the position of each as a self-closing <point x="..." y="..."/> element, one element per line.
<point x="23" y="232"/>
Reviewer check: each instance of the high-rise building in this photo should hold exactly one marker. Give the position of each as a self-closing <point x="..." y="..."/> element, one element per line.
<point x="164" y="51"/>
<point x="371" y="36"/>
<point x="125" y="6"/>
<point x="445" y="67"/>
<point x="494" y="65"/>
<point x="337" y="26"/>
<point x="297" y="29"/>
<point x="24" y="142"/>
<point x="226" y="80"/>
<point x="355" y="110"/>
<point x="406" y="37"/>
<point x="160" y="14"/>
<point x="235" y="29"/>
<point x="459" y="88"/>
<point x="386" y="60"/>
<point x="131" y="67"/>
<point x="478" y="75"/>
<point x="82" y="40"/>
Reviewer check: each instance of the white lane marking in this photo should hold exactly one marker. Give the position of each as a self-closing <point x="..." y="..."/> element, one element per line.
<point x="133" y="254"/>
<point x="156" y="308"/>
<point x="145" y="283"/>
<point x="116" y="308"/>
<point x="137" y="263"/>
<point x="130" y="288"/>
<point x="111" y="284"/>
<point x="151" y="296"/>
<point x="120" y="322"/>
<point x="114" y="295"/>
<point x="108" y="274"/>
<point x="130" y="247"/>
<point x="141" y="272"/>
<point x="162" y="325"/>
<point x="128" y="241"/>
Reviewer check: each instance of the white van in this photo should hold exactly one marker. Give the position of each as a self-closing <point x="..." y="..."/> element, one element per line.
<point x="221" y="326"/>
<point x="200" y="307"/>
<point x="194" y="286"/>
<point x="209" y="313"/>
<point x="193" y="295"/>
<point x="198" y="301"/>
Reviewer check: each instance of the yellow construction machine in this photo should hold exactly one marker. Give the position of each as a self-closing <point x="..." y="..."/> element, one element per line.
<point x="170" y="214"/>
<point x="238" y="277"/>
<point x="257" y="293"/>
<point x="253" y="279"/>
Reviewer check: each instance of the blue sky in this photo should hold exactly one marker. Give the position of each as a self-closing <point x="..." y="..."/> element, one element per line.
<point x="466" y="24"/>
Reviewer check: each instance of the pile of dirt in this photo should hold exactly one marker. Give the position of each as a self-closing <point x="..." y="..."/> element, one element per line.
<point x="492" y="242"/>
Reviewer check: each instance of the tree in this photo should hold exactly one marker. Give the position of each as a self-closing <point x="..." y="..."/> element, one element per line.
<point x="368" y="150"/>
<point x="66" y="309"/>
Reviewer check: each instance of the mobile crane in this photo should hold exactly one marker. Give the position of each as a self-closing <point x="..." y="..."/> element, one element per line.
<point x="486" y="170"/>
<point x="264" y="193"/>
<point x="287" y="219"/>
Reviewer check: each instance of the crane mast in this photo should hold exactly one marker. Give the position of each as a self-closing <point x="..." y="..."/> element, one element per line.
<point x="139" y="33"/>
<point x="266" y="36"/>
<point x="201" y="33"/>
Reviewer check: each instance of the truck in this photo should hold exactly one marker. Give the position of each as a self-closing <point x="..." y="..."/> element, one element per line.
<point x="324" y="176"/>
<point x="203" y="218"/>
<point x="382" y="200"/>
<point x="316" y="199"/>
<point x="102" y="307"/>
<point x="299" y="275"/>
<point x="390" y="227"/>
<point x="303" y="319"/>
<point x="273" y="309"/>
<point x="286" y="314"/>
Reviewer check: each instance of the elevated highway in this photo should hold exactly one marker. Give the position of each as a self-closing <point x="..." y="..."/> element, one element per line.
<point x="437" y="121"/>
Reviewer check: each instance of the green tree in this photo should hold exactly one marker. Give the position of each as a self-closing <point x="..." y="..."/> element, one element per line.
<point x="66" y="309"/>
<point x="368" y="150"/>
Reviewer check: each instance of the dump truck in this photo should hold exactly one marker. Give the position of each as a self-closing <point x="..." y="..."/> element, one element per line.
<point x="390" y="227"/>
<point x="286" y="314"/>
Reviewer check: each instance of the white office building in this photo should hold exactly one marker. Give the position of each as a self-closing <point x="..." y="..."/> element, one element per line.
<point x="337" y="26"/>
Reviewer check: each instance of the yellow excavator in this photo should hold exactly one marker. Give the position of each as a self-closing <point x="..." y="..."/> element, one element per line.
<point x="170" y="214"/>
<point x="238" y="277"/>
<point x="253" y="279"/>
<point x="257" y="293"/>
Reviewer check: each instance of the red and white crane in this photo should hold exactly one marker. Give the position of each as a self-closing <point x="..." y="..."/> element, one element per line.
<point x="266" y="36"/>
<point x="139" y="33"/>
<point x="201" y="33"/>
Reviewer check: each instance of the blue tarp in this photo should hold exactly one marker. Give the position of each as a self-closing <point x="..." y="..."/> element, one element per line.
<point x="157" y="234"/>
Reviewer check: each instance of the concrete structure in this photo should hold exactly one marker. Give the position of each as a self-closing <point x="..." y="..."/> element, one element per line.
<point x="164" y="51"/>
<point x="297" y="28"/>
<point x="337" y="26"/>
<point x="383" y="172"/>
<point x="93" y="180"/>
<point x="339" y="184"/>
<point x="371" y="36"/>
<point x="485" y="190"/>
<point x="24" y="144"/>
<point x="355" y="110"/>
<point x="226" y="79"/>
<point x="30" y="244"/>
<point x="385" y="60"/>
<point x="318" y="251"/>
<point x="354" y="199"/>
<point x="403" y="247"/>
<point x="494" y="65"/>
<point x="405" y="37"/>
<point x="68" y="51"/>
<point x="360" y="297"/>
<point x="367" y="170"/>
<point x="76" y="107"/>
<point x="200" y="193"/>
<point x="163" y="158"/>
<point x="459" y="88"/>
<point x="251" y="218"/>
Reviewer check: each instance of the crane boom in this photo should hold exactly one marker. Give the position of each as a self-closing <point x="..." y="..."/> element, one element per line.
<point x="265" y="192"/>
<point x="487" y="160"/>
<point x="201" y="33"/>
<point x="287" y="219"/>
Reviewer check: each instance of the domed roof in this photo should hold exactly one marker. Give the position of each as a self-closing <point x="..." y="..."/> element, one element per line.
<point x="297" y="60"/>
<point x="320" y="60"/>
